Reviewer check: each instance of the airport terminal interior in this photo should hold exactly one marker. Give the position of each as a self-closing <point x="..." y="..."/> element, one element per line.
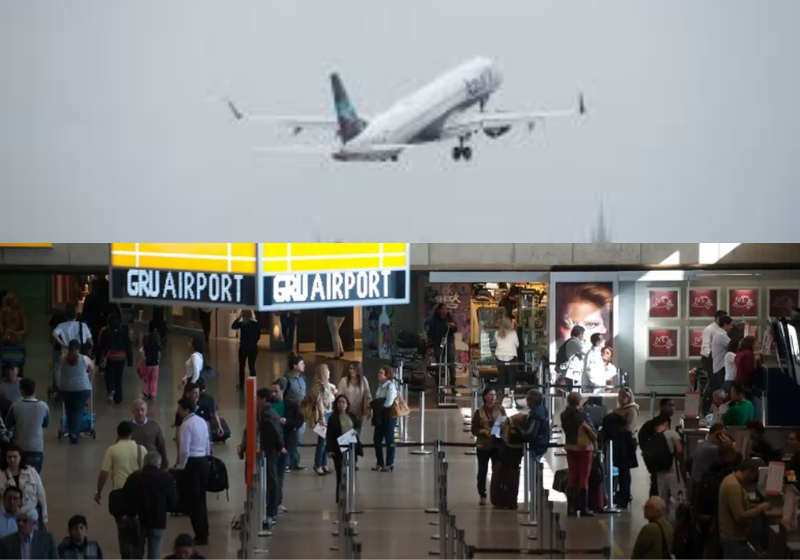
<point x="658" y="330"/>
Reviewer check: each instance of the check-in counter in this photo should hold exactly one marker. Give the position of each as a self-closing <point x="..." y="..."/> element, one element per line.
<point x="777" y="436"/>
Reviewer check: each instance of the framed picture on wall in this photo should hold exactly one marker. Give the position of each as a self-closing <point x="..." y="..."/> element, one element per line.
<point x="664" y="303"/>
<point x="663" y="343"/>
<point x="695" y="338"/>
<point x="782" y="301"/>
<point x="703" y="302"/>
<point x="743" y="303"/>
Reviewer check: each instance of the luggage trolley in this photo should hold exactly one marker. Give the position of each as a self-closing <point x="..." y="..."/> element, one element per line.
<point x="87" y="422"/>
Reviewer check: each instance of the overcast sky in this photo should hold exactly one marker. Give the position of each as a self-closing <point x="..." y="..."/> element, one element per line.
<point x="111" y="117"/>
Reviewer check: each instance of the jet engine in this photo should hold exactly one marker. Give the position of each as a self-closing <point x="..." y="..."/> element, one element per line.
<point x="496" y="131"/>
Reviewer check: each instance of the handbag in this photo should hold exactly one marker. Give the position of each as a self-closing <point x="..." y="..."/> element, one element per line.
<point x="118" y="503"/>
<point x="85" y="349"/>
<point x="400" y="408"/>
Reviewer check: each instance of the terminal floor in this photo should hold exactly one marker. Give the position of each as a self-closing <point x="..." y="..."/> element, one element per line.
<point x="393" y="525"/>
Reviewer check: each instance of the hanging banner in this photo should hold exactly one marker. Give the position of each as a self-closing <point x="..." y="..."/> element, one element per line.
<point x="212" y="274"/>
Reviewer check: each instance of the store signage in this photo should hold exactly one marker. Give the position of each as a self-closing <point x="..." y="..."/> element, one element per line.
<point x="215" y="274"/>
<point x="320" y="275"/>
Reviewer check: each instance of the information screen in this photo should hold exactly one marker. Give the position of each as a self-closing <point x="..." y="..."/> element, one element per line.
<point x="213" y="274"/>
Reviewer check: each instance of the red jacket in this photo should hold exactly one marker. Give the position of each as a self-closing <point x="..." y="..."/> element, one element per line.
<point x="745" y="367"/>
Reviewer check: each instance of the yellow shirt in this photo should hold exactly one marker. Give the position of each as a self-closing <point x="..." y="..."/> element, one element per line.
<point x="122" y="460"/>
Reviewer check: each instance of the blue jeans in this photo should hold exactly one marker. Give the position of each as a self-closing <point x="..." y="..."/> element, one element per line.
<point x="294" y="452"/>
<point x="283" y="462"/>
<point x="34" y="459"/>
<point x="735" y="550"/>
<point x="384" y="435"/>
<point x="74" y="407"/>
<point x="320" y="456"/>
<point x="155" y="540"/>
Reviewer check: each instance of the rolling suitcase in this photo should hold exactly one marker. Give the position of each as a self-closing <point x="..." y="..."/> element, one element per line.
<point x="226" y="433"/>
<point x="504" y="493"/>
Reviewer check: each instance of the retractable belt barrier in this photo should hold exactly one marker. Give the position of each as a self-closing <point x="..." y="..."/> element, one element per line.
<point x="346" y="545"/>
<point x="452" y="540"/>
<point x="254" y="522"/>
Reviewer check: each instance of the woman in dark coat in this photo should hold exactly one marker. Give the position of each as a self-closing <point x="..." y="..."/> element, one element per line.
<point x="615" y="430"/>
<point x="341" y="421"/>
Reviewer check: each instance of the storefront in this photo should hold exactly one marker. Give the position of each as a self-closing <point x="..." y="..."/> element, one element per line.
<point x="653" y="320"/>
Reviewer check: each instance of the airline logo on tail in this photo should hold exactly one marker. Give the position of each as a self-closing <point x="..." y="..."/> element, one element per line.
<point x="350" y="125"/>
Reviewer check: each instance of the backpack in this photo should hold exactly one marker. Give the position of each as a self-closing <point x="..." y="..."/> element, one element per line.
<point x="218" y="477"/>
<point x="512" y="435"/>
<point x="657" y="455"/>
<point x="562" y="359"/>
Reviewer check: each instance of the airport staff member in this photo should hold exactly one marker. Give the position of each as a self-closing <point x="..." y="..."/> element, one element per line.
<point x="195" y="448"/>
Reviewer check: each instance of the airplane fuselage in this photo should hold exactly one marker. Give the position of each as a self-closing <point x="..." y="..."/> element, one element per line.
<point x="422" y="116"/>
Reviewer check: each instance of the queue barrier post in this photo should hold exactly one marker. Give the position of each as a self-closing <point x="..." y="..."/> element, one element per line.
<point x="609" y="482"/>
<point x="439" y="459"/>
<point x="532" y="488"/>
<point x="258" y="494"/>
<point x="263" y="498"/>
<point x="342" y="517"/>
<point x="653" y="396"/>
<point x="351" y="480"/>
<point x="526" y="480"/>
<point x="443" y="536"/>
<point x="421" y="451"/>
<point x="406" y="419"/>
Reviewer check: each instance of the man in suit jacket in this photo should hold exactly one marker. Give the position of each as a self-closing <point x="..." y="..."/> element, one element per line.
<point x="40" y="545"/>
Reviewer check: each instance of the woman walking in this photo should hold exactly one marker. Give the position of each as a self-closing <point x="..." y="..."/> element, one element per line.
<point x="115" y="352"/>
<point x="579" y="437"/>
<point x="383" y="420"/>
<point x="323" y="393"/>
<point x="28" y="481"/>
<point x="149" y="364"/>
<point x="356" y="388"/>
<point x="506" y="355"/>
<point x="196" y="362"/>
<point x="342" y="421"/>
<point x="76" y="387"/>
<point x="488" y="444"/>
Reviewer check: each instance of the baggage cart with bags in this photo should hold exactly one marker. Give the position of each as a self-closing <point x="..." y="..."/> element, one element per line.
<point x="87" y="424"/>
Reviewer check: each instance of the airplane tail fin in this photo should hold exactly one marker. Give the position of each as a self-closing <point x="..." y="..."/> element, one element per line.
<point x="350" y="125"/>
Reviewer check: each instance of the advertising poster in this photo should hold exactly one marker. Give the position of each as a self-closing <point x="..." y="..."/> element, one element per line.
<point x="695" y="341"/>
<point x="586" y="304"/>
<point x="665" y="303"/>
<point x="703" y="302"/>
<point x="783" y="301"/>
<point x="664" y="344"/>
<point x="743" y="303"/>
<point x="458" y="298"/>
<point x="379" y="332"/>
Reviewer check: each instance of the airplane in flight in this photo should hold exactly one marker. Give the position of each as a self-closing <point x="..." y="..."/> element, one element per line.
<point x="442" y="110"/>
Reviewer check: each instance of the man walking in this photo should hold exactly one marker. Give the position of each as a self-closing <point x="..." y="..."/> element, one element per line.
<point x="151" y="494"/>
<point x="147" y="433"/>
<point x="194" y="450"/>
<point x="27" y="419"/>
<point x="121" y="460"/>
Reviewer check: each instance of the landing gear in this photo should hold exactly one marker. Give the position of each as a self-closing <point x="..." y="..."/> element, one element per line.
<point x="462" y="152"/>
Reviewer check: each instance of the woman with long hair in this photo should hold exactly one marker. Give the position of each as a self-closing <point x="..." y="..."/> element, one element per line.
<point x="730" y="365"/>
<point x="115" y="352"/>
<point x="629" y="410"/>
<point x="27" y="479"/>
<point x="341" y="421"/>
<point x="323" y="393"/>
<point x="383" y="420"/>
<point x="76" y="387"/>
<point x="579" y="441"/>
<point x="356" y="388"/>
<point x="506" y="355"/>
<point x="488" y="444"/>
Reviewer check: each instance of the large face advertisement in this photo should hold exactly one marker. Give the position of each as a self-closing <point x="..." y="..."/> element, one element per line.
<point x="586" y="304"/>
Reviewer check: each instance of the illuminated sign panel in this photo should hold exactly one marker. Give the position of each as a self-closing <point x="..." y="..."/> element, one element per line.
<point x="320" y="275"/>
<point x="266" y="276"/>
<point x="214" y="274"/>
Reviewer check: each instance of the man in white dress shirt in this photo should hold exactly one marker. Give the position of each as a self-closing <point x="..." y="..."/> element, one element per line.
<point x="719" y="347"/>
<point x="708" y="335"/>
<point x="195" y="448"/>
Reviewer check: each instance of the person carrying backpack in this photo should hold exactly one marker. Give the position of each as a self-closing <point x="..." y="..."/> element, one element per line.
<point x="664" y="457"/>
<point x="570" y="358"/>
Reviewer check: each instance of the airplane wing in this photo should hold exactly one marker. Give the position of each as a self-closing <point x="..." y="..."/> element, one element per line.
<point x="297" y="124"/>
<point x="471" y="123"/>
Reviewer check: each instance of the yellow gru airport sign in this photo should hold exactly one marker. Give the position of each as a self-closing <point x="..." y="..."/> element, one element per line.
<point x="266" y="276"/>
